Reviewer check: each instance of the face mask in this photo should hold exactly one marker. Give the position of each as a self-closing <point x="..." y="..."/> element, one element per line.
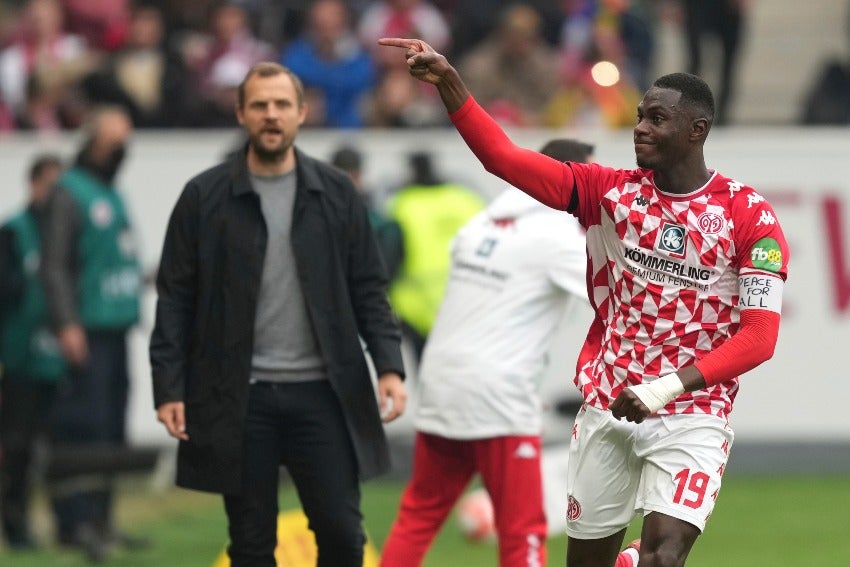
<point x="113" y="162"/>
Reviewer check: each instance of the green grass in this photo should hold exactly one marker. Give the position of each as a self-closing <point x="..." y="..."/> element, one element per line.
<point x="759" y="521"/>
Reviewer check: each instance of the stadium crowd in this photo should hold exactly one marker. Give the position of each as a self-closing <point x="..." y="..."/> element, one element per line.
<point x="176" y="63"/>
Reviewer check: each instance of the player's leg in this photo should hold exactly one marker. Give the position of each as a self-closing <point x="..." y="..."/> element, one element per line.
<point x="441" y="470"/>
<point x="602" y="484"/>
<point x="684" y="460"/>
<point x="510" y="469"/>
<point x="666" y="541"/>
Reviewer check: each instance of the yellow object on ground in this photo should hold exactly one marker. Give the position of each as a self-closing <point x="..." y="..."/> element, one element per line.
<point x="296" y="544"/>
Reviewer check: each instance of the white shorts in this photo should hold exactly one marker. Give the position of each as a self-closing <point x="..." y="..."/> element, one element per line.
<point x="671" y="464"/>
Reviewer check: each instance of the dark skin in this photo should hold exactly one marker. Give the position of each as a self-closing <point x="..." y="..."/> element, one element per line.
<point x="669" y="138"/>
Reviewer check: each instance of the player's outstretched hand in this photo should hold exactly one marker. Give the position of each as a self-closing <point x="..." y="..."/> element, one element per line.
<point x="628" y="405"/>
<point x="422" y="61"/>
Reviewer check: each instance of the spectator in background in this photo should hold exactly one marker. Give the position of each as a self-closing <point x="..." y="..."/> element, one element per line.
<point x="104" y="24"/>
<point x="429" y="211"/>
<point x="399" y="101"/>
<point x="511" y="72"/>
<point x="401" y="18"/>
<point x="44" y="63"/>
<point x="597" y="87"/>
<point x="218" y="61"/>
<point x="144" y="76"/>
<point x="31" y="361"/>
<point x="92" y="279"/>
<point x="724" y="20"/>
<point x="337" y="72"/>
<point x="387" y="231"/>
<point x="827" y="100"/>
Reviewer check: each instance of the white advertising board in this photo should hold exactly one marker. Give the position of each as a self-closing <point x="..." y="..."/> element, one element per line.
<point x="799" y="395"/>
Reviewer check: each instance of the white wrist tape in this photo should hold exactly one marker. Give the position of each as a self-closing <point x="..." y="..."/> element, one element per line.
<point x="660" y="392"/>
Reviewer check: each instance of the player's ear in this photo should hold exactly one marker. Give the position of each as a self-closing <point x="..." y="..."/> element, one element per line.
<point x="699" y="128"/>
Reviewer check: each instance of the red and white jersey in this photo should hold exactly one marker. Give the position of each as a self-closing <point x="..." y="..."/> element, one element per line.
<point x="668" y="276"/>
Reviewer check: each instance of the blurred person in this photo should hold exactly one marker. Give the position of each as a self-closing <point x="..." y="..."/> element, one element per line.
<point x="430" y="211"/>
<point x="515" y="267"/>
<point x="256" y="351"/>
<point x="725" y="21"/>
<point x="44" y="52"/>
<point x="31" y="360"/>
<point x="144" y="76"/>
<point x="401" y="18"/>
<point x="104" y="24"/>
<point x="331" y="62"/>
<point x="596" y="87"/>
<point x="92" y="279"/>
<point x="827" y="99"/>
<point x="685" y="275"/>
<point x="387" y="231"/>
<point x="399" y="101"/>
<point x="512" y="70"/>
<point x="218" y="59"/>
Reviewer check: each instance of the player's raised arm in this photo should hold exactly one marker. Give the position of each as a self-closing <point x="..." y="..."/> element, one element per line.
<point x="547" y="180"/>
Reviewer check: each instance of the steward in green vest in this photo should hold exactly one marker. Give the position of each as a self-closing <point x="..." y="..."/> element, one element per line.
<point x="109" y="278"/>
<point x="430" y="212"/>
<point x="28" y="349"/>
<point x="33" y="364"/>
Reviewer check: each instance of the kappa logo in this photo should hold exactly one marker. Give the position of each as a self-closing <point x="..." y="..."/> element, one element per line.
<point x="734" y="187"/>
<point x="673" y="239"/>
<point x="525" y="450"/>
<point x="754" y="198"/>
<point x="766" y="217"/>
<point x="641" y="201"/>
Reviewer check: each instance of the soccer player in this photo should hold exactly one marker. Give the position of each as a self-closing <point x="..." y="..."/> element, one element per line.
<point x="686" y="269"/>
<point x="514" y="268"/>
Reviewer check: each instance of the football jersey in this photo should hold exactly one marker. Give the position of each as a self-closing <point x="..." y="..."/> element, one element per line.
<point x="513" y="270"/>
<point x="668" y="276"/>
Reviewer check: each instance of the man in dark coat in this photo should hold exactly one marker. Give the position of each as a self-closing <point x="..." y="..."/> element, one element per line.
<point x="269" y="278"/>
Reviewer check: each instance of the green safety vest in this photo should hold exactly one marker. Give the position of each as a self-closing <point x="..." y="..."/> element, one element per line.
<point x="28" y="349"/>
<point x="430" y="217"/>
<point x="109" y="283"/>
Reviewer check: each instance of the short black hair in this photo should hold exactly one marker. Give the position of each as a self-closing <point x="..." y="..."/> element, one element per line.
<point x="696" y="93"/>
<point x="566" y="149"/>
<point x="43" y="162"/>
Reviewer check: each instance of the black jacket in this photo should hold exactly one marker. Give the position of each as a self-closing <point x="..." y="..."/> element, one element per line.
<point x="208" y="283"/>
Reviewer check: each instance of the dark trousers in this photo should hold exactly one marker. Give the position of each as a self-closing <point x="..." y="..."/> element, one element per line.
<point x="25" y="405"/>
<point x="301" y="426"/>
<point x="90" y="411"/>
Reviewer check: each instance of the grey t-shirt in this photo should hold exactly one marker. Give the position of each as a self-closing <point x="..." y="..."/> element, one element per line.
<point x="285" y="345"/>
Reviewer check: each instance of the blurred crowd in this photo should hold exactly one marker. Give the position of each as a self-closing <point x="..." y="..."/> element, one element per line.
<point x="177" y="63"/>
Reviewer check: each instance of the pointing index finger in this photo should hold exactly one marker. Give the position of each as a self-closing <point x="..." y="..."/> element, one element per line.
<point x="399" y="42"/>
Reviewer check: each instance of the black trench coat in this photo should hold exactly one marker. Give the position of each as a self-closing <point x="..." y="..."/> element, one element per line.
<point x="208" y="283"/>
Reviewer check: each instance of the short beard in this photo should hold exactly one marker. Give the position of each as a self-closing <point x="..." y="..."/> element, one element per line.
<point x="267" y="155"/>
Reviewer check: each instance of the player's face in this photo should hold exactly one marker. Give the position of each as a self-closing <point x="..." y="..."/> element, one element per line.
<point x="271" y="115"/>
<point x="662" y="131"/>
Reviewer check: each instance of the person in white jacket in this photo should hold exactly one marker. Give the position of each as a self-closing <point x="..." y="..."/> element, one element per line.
<point x="514" y="269"/>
